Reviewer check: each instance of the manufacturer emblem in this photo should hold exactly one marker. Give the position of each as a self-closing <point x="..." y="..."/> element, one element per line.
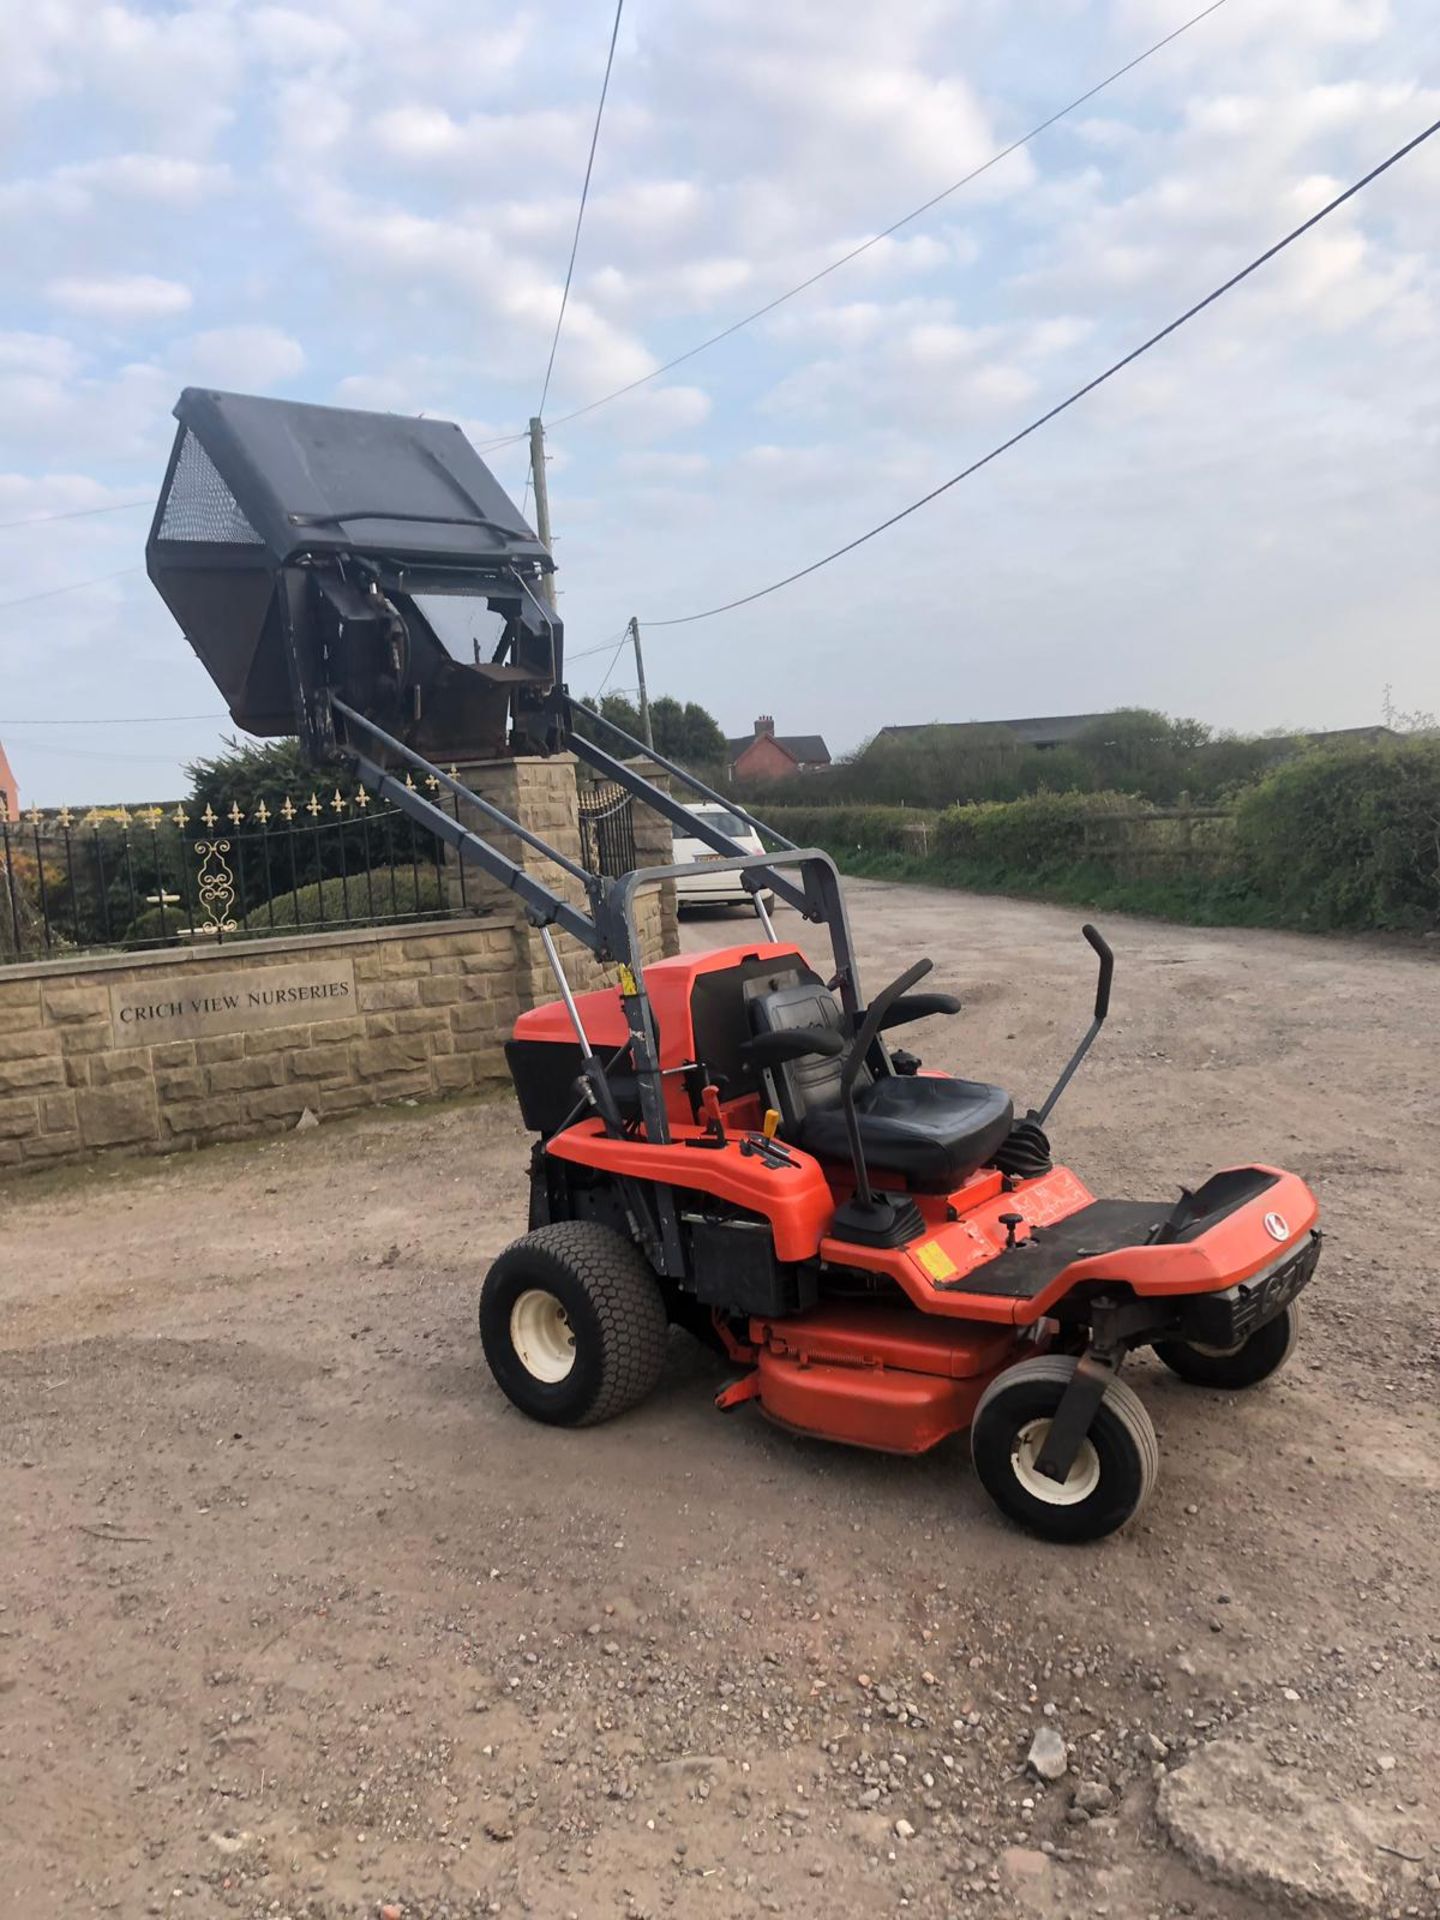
<point x="1276" y="1226"/>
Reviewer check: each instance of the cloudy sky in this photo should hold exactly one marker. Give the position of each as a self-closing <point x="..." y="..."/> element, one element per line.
<point x="357" y="202"/>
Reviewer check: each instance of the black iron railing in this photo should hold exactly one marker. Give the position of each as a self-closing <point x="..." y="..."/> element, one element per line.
<point x="126" y="879"/>
<point x="607" y="829"/>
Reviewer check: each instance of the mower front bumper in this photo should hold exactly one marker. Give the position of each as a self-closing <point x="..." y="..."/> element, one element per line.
<point x="1227" y="1319"/>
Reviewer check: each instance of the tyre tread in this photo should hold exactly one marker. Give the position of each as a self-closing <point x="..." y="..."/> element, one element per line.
<point x="621" y="1287"/>
<point x="1199" y="1370"/>
<point x="1120" y="1399"/>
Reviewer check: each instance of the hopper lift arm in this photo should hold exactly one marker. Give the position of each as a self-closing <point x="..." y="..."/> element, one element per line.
<point x="313" y="557"/>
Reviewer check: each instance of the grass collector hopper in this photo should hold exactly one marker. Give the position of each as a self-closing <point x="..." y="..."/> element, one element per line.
<point x="316" y="551"/>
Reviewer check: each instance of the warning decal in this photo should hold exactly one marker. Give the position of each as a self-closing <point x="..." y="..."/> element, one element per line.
<point x="936" y="1262"/>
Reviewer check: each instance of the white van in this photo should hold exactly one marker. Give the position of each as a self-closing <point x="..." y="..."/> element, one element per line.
<point x="703" y="886"/>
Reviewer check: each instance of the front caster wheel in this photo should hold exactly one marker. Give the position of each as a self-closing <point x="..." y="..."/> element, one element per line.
<point x="1113" y="1472"/>
<point x="573" y="1323"/>
<point x="1233" y="1368"/>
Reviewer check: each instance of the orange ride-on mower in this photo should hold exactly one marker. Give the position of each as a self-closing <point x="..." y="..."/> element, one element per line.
<point x="725" y="1140"/>
<point x="888" y="1256"/>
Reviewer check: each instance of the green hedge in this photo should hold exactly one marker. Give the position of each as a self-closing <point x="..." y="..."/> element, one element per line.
<point x="337" y="902"/>
<point x="357" y="901"/>
<point x="848" y="829"/>
<point x="1347" y="839"/>
<point x="1336" y="839"/>
<point x="1044" y="831"/>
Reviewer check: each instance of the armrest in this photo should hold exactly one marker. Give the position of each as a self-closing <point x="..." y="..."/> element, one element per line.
<point x="792" y="1043"/>
<point x="918" y="1006"/>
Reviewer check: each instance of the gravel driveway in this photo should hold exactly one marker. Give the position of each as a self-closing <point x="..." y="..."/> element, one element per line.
<point x="297" y="1617"/>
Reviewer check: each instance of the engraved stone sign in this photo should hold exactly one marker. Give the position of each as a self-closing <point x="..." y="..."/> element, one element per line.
<point x="145" y="1013"/>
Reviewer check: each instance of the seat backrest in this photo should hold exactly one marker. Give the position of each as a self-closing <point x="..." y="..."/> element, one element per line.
<point x="812" y="1083"/>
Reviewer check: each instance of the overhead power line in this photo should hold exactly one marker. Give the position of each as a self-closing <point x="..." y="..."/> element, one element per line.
<point x="604" y="646"/>
<point x="580" y="215"/>
<point x="614" y="660"/>
<point x="1062" y="406"/>
<point x="75" y="586"/>
<point x="905" y="219"/>
<point x="75" y="513"/>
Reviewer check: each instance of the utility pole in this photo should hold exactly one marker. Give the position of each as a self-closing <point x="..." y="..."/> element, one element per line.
<point x="542" y="504"/>
<point x="645" y="727"/>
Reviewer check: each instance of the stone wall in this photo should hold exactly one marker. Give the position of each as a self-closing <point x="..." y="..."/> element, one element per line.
<point x="542" y="794"/>
<point x="153" y="1052"/>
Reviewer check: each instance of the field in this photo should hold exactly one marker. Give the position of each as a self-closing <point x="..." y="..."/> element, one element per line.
<point x="297" y="1617"/>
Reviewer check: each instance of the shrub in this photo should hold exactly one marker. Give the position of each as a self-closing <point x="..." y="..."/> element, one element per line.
<point x="1348" y="837"/>
<point x="850" y="829"/>
<point x="1043" y="831"/>
<point x="364" y="899"/>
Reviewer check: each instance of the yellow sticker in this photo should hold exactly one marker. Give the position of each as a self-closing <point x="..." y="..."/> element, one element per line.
<point x="627" y="983"/>
<point x="936" y="1262"/>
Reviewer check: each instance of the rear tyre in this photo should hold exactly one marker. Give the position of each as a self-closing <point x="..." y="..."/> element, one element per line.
<point x="1235" y="1368"/>
<point x="573" y="1324"/>
<point x="1114" y="1470"/>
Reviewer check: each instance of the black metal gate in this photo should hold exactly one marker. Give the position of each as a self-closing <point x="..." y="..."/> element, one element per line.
<point x="607" y="829"/>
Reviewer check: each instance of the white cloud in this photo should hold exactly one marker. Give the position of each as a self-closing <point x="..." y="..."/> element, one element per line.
<point x="169" y="178"/>
<point x="424" y="135"/>
<point x="662" y="469"/>
<point x="240" y="358"/>
<point x="288" y="37"/>
<point x="120" y="296"/>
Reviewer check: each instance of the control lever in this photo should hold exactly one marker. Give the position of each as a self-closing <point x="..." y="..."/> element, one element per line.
<point x="714" y="1134"/>
<point x="1102" y="1007"/>
<point x="763" y="1148"/>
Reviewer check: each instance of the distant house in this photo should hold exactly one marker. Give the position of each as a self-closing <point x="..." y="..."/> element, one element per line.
<point x="1051" y="730"/>
<point x="767" y="755"/>
<point x="1353" y="737"/>
<point x="9" y="790"/>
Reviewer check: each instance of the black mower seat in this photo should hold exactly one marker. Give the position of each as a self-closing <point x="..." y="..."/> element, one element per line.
<point x="933" y="1132"/>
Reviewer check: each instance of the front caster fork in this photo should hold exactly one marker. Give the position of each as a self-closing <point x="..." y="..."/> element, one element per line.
<point x="1079" y="1404"/>
<point x="1116" y="1325"/>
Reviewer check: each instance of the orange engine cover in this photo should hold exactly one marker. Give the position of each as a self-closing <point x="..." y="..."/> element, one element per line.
<point x="877" y="1376"/>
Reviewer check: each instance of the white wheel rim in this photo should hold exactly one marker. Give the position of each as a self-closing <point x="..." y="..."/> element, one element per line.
<point x="542" y="1336"/>
<point x="1081" y="1481"/>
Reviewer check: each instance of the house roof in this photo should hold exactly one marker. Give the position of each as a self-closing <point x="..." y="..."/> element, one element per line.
<point x="1377" y="735"/>
<point x="1047" y="730"/>
<point x="805" y="747"/>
